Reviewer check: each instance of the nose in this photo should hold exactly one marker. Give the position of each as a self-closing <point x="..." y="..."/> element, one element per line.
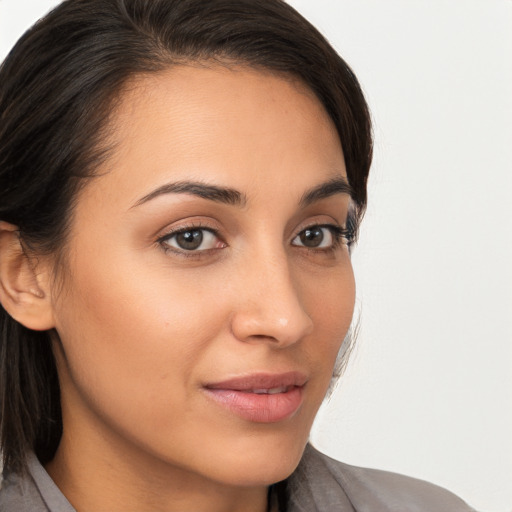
<point x="269" y="306"/>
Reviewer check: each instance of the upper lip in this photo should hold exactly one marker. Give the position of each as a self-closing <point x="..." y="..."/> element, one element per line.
<point x="260" y="381"/>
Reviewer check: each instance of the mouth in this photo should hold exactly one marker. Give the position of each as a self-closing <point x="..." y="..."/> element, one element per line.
<point x="271" y="391"/>
<point x="260" y="398"/>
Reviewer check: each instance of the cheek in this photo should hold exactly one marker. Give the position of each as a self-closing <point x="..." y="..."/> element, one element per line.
<point x="330" y="302"/>
<point x="130" y="332"/>
<point x="329" y="298"/>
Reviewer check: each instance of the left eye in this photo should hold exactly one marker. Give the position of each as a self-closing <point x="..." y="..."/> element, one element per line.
<point x="197" y="239"/>
<point x="316" y="237"/>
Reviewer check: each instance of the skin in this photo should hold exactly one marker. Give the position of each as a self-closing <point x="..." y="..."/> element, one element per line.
<point x="144" y="325"/>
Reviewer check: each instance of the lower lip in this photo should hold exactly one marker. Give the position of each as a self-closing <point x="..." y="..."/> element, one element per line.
<point x="259" y="408"/>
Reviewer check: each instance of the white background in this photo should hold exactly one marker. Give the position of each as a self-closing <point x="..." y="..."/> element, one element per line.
<point x="429" y="389"/>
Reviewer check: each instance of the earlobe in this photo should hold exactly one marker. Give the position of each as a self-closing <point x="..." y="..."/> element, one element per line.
<point x="24" y="293"/>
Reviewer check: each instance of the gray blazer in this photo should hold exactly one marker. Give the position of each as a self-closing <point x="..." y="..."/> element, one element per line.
<point x="319" y="484"/>
<point x="322" y="484"/>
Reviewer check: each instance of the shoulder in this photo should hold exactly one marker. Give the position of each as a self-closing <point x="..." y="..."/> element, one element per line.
<point x="33" y="491"/>
<point x="19" y="493"/>
<point x="324" y="484"/>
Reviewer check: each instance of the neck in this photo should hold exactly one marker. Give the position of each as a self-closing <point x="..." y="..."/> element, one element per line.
<point x="107" y="482"/>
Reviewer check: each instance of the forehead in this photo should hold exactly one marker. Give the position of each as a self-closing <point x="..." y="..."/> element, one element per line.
<point x="235" y="126"/>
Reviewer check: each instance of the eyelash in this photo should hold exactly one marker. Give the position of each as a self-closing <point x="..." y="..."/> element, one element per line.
<point x="338" y="233"/>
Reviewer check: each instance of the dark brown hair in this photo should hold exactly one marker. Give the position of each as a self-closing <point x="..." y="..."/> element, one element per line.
<point x="57" y="88"/>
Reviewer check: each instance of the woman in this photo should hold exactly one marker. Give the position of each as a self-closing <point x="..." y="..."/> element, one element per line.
<point x="180" y="185"/>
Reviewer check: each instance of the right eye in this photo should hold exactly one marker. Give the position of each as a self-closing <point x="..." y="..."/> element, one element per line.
<point x="192" y="239"/>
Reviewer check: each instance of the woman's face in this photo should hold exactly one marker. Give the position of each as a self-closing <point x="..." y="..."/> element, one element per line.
<point x="208" y="284"/>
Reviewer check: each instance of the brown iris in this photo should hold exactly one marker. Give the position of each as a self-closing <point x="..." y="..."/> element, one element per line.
<point x="190" y="240"/>
<point x="312" y="237"/>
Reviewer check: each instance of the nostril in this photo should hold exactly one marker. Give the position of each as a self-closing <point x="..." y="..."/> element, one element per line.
<point x="263" y="337"/>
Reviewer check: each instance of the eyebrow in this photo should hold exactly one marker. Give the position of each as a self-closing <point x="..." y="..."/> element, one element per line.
<point x="334" y="186"/>
<point x="233" y="197"/>
<point x="215" y="193"/>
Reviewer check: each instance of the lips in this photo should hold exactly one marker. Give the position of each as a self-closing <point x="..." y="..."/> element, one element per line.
<point x="260" y="398"/>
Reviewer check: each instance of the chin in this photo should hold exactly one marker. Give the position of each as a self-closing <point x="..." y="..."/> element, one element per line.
<point x="260" y="460"/>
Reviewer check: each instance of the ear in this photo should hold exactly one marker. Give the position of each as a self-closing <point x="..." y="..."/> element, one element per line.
<point x="24" y="291"/>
